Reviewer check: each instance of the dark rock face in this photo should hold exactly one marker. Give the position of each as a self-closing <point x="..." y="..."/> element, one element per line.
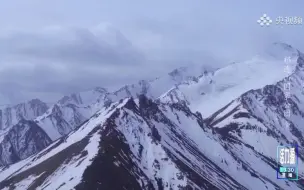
<point x="121" y="171"/>
<point x="116" y="157"/>
<point x="143" y="139"/>
<point x="123" y="163"/>
<point x="47" y="167"/>
<point x="149" y="145"/>
<point x="261" y="113"/>
<point x="22" y="140"/>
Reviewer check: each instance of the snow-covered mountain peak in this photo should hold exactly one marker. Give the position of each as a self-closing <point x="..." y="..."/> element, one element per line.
<point x="265" y="109"/>
<point x="147" y="145"/>
<point x="152" y="135"/>
<point x="71" y="110"/>
<point x="158" y="86"/>
<point x="21" y="141"/>
<point x="29" y="110"/>
<point x="204" y="90"/>
<point x="85" y="97"/>
<point x="213" y="91"/>
<point x="125" y="140"/>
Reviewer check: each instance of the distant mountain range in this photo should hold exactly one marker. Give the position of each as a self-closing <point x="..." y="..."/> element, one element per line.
<point x="193" y="128"/>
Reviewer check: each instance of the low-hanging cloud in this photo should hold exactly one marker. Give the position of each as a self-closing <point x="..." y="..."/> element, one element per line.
<point x="47" y="50"/>
<point x="69" y="45"/>
<point x="64" y="60"/>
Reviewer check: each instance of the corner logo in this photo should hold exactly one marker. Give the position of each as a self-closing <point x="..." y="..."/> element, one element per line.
<point x="264" y="20"/>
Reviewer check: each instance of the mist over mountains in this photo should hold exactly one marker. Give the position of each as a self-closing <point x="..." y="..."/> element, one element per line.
<point x="193" y="128"/>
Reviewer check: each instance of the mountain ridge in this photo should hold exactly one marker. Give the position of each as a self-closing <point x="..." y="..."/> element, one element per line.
<point x="152" y="134"/>
<point x="129" y="130"/>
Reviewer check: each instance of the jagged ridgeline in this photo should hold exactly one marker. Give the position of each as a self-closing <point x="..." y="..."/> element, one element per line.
<point x="191" y="129"/>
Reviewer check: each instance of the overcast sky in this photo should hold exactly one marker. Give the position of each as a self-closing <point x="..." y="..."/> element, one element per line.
<point x="50" y="48"/>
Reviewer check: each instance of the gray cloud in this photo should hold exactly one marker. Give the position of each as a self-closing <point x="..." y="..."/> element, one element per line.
<point x="72" y="46"/>
<point x="65" y="60"/>
<point x="50" y="48"/>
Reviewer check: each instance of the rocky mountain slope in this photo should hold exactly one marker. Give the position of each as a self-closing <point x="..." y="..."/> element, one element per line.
<point x="190" y="129"/>
<point x="16" y="128"/>
<point x="10" y="115"/>
<point x="216" y="89"/>
<point x="146" y="145"/>
<point x="70" y="111"/>
<point x="23" y="140"/>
